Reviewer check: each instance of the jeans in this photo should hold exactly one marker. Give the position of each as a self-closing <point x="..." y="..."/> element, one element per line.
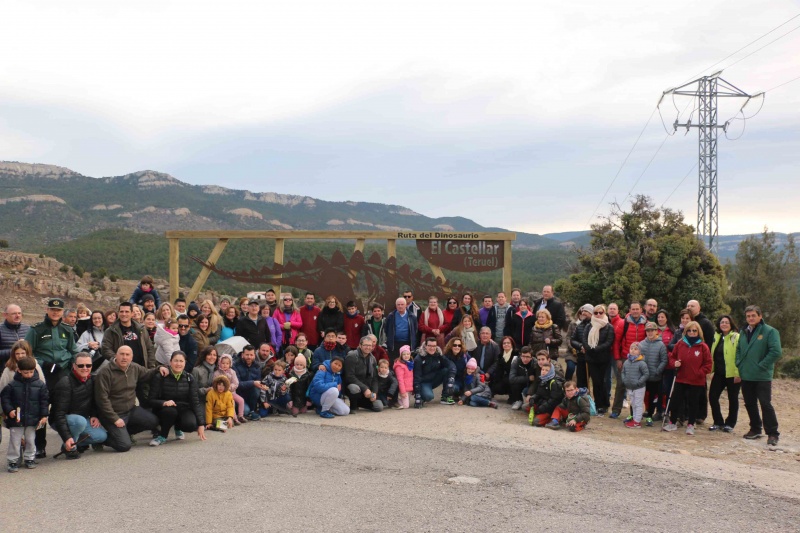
<point x="720" y="383"/>
<point x="755" y="393"/>
<point x="136" y="420"/>
<point x="79" y="425"/>
<point x="250" y="397"/>
<point x="571" y="365"/>
<point x="281" y="401"/>
<point x="478" y="401"/>
<point x="427" y="386"/>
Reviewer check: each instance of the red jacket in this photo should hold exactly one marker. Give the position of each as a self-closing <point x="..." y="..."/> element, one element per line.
<point x="448" y="319"/>
<point x="433" y="323"/>
<point x="309" y="317"/>
<point x="695" y="361"/>
<point x="635" y="333"/>
<point x="352" y="327"/>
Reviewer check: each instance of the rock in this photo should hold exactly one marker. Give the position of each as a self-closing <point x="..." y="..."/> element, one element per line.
<point x="464" y="480"/>
<point x="31" y="271"/>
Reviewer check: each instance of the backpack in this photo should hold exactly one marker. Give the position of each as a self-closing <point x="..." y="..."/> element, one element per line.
<point x="583" y="393"/>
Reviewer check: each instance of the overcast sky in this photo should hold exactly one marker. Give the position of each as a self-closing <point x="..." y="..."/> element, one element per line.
<point x="514" y="114"/>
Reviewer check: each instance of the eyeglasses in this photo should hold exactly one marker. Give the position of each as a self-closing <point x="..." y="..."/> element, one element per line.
<point x="599" y="313"/>
<point x="84" y="366"/>
<point x="457" y="346"/>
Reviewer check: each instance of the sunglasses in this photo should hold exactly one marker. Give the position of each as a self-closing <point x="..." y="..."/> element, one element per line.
<point x="287" y="299"/>
<point x="692" y="331"/>
<point x="456" y="346"/>
<point x="183" y="326"/>
<point x="599" y="313"/>
<point x="84" y="366"/>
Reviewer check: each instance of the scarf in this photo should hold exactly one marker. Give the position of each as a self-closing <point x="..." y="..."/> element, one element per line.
<point x="546" y="325"/>
<point x="550" y="375"/>
<point x="633" y="358"/>
<point x="383" y="374"/>
<point x="409" y="364"/>
<point x="287" y="311"/>
<point x="82" y="380"/>
<point x="209" y="367"/>
<point x="593" y="338"/>
<point x="523" y="313"/>
<point x="691" y="341"/>
<point x="300" y="373"/>
<point x="427" y="315"/>
<point x="468" y="336"/>
<point x="469" y="379"/>
<point x="330" y="346"/>
<point x="507" y="356"/>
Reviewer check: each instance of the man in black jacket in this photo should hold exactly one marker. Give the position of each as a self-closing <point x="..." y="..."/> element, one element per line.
<point x="361" y="377"/>
<point x="73" y="415"/>
<point x="556" y="308"/>
<point x="11" y="330"/>
<point x="252" y="326"/>
<point x="487" y="354"/>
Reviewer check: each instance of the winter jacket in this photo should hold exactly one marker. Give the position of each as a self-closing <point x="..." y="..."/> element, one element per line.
<point x="30" y="394"/>
<point x="488" y="318"/>
<point x="273" y="385"/>
<point x="113" y="339"/>
<point x="728" y="362"/>
<point x="202" y="339"/>
<point x="520" y="328"/>
<point x="321" y="355"/>
<point x="219" y="405"/>
<point x="115" y="389"/>
<point x="427" y="366"/>
<point x="228" y="329"/>
<point x="487" y="356"/>
<point x="579" y="407"/>
<point x="52" y="344"/>
<point x="426" y="328"/>
<point x="695" y="362"/>
<point x="405" y="377"/>
<point x="9" y="334"/>
<point x="602" y="353"/>
<point x="204" y="375"/>
<point x="576" y="341"/>
<point x="635" y="373"/>
<point x="181" y="390"/>
<point x="298" y="390"/>
<point x="275" y="333"/>
<point x="247" y="375"/>
<point x="387" y="386"/>
<point x="329" y="319"/>
<point x="519" y="374"/>
<point x="353" y="326"/>
<point x="708" y="328"/>
<point x="460" y="364"/>
<point x="476" y="387"/>
<point x="232" y="375"/>
<point x="323" y="380"/>
<point x="309" y="327"/>
<point x="655" y="355"/>
<point x="92" y="334"/>
<point x="138" y="294"/>
<point x="256" y="332"/>
<point x="166" y="343"/>
<point x="538" y="337"/>
<point x="757" y="352"/>
<point x="626" y="333"/>
<point x="8" y="376"/>
<point x="390" y="327"/>
<point x="361" y="371"/>
<point x="547" y="395"/>
<point x="368" y="330"/>
<point x="295" y="324"/>
<point x="556" y="308"/>
<point x="666" y="337"/>
<point x="71" y="397"/>
<point x="188" y="345"/>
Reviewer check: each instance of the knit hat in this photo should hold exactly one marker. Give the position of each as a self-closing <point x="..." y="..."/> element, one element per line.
<point x="472" y="363"/>
<point x="588" y="308"/>
<point x="405" y="348"/>
<point x="148" y="297"/>
<point x="194" y="307"/>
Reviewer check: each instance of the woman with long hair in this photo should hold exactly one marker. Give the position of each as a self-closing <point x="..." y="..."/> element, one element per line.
<point x="726" y="374"/>
<point x="332" y="316"/>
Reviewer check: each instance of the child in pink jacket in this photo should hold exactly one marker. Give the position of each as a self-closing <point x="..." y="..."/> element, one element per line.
<point x="404" y="371"/>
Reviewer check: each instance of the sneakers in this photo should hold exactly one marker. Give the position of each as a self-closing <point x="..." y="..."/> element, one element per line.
<point x="625" y="404"/>
<point x="40" y="454"/>
<point x="158" y="441"/>
<point x="727" y="429"/>
<point x="632" y="424"/>
<point x="30" y="464"/>
<point x="253" y="416"/>
<point x="326" y="414"/>
<point x="179" y="435"/>
<point x="613" y="415"/>
<point x="97" y="447"/>
<point x="242" y="420"/>
<point x="13" y="467"/>
<point x="752" y="435"/>
<point x="772" y="440"/>
<point x="516" y="406"/>
<point x="714" y="427"/>
<point x="447" y="400"/>
<point x="669" y="427"/>
<point x="648" y="422"/>
<point x="553" y="424"/>
<point x="690" y="429"/>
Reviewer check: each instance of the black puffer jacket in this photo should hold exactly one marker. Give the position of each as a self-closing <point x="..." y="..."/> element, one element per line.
<point x="71" y="397"/>
<point x="30" y="395"/>
<point x="577" y="338"/>
<point x="519" y="373"/>
<point x="426" y="366"/>
<point x="602" y="353"/>
<point x="256" y="333"/>
<point x="182" y="391"/>
<point x="330" y="318"/>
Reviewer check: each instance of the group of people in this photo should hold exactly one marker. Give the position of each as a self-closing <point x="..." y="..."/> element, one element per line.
<point x="99" y="378"/>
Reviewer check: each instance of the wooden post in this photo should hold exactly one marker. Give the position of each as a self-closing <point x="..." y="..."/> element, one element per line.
<point x="279" y="260"/>
<point x="507" y="285"/>
<point x="174" y="274"/>
<point x="205" y="271"/>
<point x="391" y="248"/>
<point x="360" y="245"/>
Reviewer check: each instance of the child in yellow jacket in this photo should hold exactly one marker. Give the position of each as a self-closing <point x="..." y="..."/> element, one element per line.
<point x="219" y="404"/>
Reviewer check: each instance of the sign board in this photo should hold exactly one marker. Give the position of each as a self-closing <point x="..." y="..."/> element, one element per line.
<point x="461" y="255"/>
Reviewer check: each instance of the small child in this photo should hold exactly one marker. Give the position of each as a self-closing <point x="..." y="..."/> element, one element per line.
<point x="476" y="392"/>
<point x="548" y="394"/>
<point x="387" y="383"/>
<point x="634" y="377"/>
<point x="574" y="411"/>
<point x="404" y="370"/>
<point x="224" y="368"/>
<point x="219" y="404"/>
<point x="325" y="389"/>
<point x="25" y="405"/>
<point x="298" y="382"/>
<point x="289" y="356"/>
<point x="275" y="394"/>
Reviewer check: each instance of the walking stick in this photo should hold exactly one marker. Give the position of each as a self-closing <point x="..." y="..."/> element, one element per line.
<point x="81" y="440"/>
<point x="669" y="399"/>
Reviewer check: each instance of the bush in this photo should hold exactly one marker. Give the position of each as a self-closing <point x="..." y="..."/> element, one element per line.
<point x="3" y="243"/>
<point x="41" y="256"/>
<point x="789" y="367"/>
<point x="93" y="290"/>
<point x="64" y="268"/>
<point x="113" y="278"/>
<point x="77" y="285"/>
<point x="78" y="270"/>
<point x="100" y="273"/>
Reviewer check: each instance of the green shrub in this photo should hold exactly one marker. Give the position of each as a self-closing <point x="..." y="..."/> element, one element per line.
<point x="789" y="367"/>
<point x="113" y="278"/>
<point x="3" y="243"/>
<point x="64" y="268"/>
<point x="78" y="270"/>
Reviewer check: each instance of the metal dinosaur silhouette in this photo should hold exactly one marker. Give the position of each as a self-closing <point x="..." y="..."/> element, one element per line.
<point x="380" y="281"/>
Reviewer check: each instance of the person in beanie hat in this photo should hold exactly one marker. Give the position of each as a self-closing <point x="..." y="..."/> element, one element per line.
<point x="476" y="392"/>
<point x="404" y="370"/>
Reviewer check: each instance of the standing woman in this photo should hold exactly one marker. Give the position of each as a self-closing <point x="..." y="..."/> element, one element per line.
<point x="452" y="315"/>
<point x="668" y="378"/>
<point x="598" y="341"/>
<point x="214" y="320"/>
<point x="466" y="332"/>
<point x="229" y="323"/>
<point x="579" y="366"/>
<point x="726" y="374"/>
<point x="545" y="335"/>
<point x="243" y="303"/>
<point x="175" y="401"/>
<point x="522" y="324"/>
<point x="275" y="328"/>
<point x="288" y="317"/>
<point x="469" y="307"/>
<point x="692" y="361"/>
<point x="164" y="312"/>
<point x="92" y="338"/>
<point x="331" y="316"/>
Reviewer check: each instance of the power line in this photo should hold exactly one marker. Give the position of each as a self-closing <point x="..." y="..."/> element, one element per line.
<point x="759" y="49"/>
<point x="782" y="84"/>
<point x="679" y="184"/>
<point x="635" y="183"/>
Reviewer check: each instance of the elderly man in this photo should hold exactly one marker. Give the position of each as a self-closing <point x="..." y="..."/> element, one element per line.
<point x="71" y="320"/>
<point x="401" y="329"/>
<point x="115" y="398"/>
<point x="53" y="345"/>
<point x="556" y="308"/>
<point x="74" y="415"/>
<point x="487" y="354"/>
<point x="11" y="330"/>
<point x="361" y="377"/>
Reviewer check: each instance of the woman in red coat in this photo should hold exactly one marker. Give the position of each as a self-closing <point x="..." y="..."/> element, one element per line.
<point x="692" y="360"/>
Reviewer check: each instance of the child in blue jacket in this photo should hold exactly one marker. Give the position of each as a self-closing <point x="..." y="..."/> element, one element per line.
<point x="325" y="389"/>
